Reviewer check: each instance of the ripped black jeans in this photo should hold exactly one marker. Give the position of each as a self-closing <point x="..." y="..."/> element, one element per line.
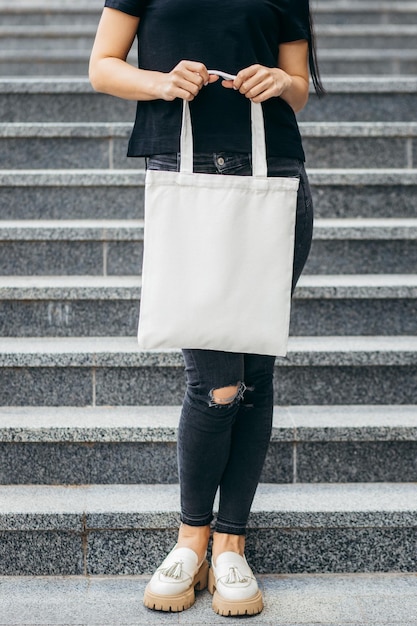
<point x="223" y="446"/>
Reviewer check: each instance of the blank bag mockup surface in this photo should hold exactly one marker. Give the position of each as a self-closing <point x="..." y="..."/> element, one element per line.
<point x="218" y="255"/>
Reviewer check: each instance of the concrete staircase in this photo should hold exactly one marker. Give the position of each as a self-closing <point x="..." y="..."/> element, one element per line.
<point x="88" y="479"/>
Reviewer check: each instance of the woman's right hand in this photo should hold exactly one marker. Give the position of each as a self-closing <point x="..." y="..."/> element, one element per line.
<point x="184" y="81"/>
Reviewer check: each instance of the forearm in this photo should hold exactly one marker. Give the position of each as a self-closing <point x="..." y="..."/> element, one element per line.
<point x="117" y="78"/>
<point x="296" y="94"/>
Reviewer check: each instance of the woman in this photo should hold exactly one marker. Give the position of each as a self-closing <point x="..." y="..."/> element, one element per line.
<point x="226" y="418"/>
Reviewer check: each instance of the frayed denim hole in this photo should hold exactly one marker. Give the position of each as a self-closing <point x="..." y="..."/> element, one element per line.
<point x="235" y="399"/>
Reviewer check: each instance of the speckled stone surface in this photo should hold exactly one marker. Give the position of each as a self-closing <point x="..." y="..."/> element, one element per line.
<point x="290" y="600"/>
<point x="371" y="98"/>
<point x="318" y="370"/>
<point x="358" y="462"/>
<point x="350" y="256"/>
<point x="340" y="304"/>
<point x="40" y="553"/>
<point x="293" y="528"/>
<point x="354" y="317"/>
<point x="63" y="318"/>
<point x="124" y="385"/>
<point x="137" y="444"/>
<point x="46" y="257"/>
<point x="89" y="463"/>
<point x="333" y="550"/>
<point x="46" y="386"/>
<point x="356" y="152"/>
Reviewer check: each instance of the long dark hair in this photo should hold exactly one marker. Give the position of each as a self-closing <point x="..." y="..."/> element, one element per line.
<point x="312" y="59"/>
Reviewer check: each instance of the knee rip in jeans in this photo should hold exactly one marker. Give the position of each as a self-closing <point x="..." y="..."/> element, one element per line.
<point x="227" y="396"/>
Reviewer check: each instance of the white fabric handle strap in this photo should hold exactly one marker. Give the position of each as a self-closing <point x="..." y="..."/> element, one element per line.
<point x="259" y="165"/>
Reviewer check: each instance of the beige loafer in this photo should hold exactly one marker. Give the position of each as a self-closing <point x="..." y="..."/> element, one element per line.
<point x="234" y="587"/>
<point x="172" y="586"/>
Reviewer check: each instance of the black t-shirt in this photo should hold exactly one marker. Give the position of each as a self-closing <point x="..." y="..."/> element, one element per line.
<point x="227" y="35"/>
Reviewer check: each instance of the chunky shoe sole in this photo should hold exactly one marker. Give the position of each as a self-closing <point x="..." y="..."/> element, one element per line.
<point x="228" y="608"/>
<point x="181" y="601"/>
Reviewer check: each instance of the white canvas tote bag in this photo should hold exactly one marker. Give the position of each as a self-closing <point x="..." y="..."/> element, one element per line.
<point x="218" y="255"/>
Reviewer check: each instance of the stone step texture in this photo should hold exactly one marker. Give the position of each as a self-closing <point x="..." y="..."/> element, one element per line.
<point x="62" y="306"/>
<point x="100" y="146"/>
<point x="118" y="194"/>
<point x="99" y="371"/>
<point x="333" y="62"/>
<point x="332" y="600"/>
<point x="126" y="529"/>
<point x="137" y="445"/>
<point x="371" y="99"/>
<point x="115" y="247"/>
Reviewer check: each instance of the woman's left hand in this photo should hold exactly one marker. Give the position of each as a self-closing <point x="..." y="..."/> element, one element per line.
<point x="259" y="83"/>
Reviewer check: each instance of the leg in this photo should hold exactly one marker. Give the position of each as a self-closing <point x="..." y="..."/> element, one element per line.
<point x="214" y="389"/>
<point x="249" y="444"/>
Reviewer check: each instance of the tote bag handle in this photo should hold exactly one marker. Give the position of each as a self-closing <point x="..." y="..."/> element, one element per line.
<point x="259" y="165"/>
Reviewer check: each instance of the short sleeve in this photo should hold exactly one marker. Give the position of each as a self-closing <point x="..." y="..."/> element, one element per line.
<point x="295" y="21"/>
<point x="131" y="7"/>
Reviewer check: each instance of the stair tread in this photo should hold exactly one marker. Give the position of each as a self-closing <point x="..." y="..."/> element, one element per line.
<point x="339" y="501"/>
<point x="334" y="84"/>
<point x="362" y="286"/>
<point x="159" y="423"/>
<point x="123" y="351"/>
<point x="327" y="599"/>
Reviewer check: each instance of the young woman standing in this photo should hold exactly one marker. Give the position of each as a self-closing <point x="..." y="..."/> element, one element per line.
<point x="226" y="418"/>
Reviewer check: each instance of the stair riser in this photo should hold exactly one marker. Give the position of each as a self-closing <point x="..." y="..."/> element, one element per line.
<point x="62" y="41"/>
<point x="93" y="107"/>
<point x="156" y="463"/>
<point x="284" y="549"/>
<point x="104" y="153"/>
<point x="126" y="202"/>
<point x="117" y="385"/>
<point x="71" y="203"/>
<point x="46" y="258"/>
<point x="51" y="43"/>
<point x="71" y="258"/>
<point x="67" y="153"/>
<point x="353" y="17"/>
<point x="366" y="42"/>
<point x="328" y="67"/>
<point x="120" y="317"/>
<point x="84" y="18"/>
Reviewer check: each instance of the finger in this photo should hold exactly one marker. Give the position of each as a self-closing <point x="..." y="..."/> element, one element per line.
<point x="191" y="77"/>
<point x="212" y="78"/>
<point x="197" y="68"/>
<point x="265" y="95"/>
<point x="229" y="84"/>
<point x="258" y="89"/>
<point x="260" y="77"/>
<point x="245" y="74"/>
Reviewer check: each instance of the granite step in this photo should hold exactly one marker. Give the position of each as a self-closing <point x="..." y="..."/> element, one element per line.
<point x="297" y="528"/>
<point x="325" y="12"/>
<point x="332" y="61"/>
<point x="137" y="445"/>
<point x="101" y="146"/>
<point x="100" y="371"/>
<point x="361" y="62"/>
<point x="364" y="12"/>
<point x="118" y="194"/>
<point x="115" y="247"/>
<point x="81" y="36"/>
<point x="362" y="99"/>
<point x="331" y="599"/>
<point x="62" y="306"/>
<point x="365" y="36"/>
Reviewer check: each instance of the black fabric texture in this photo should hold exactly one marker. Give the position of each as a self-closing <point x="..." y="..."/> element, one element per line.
<point x="227" y="36"/>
